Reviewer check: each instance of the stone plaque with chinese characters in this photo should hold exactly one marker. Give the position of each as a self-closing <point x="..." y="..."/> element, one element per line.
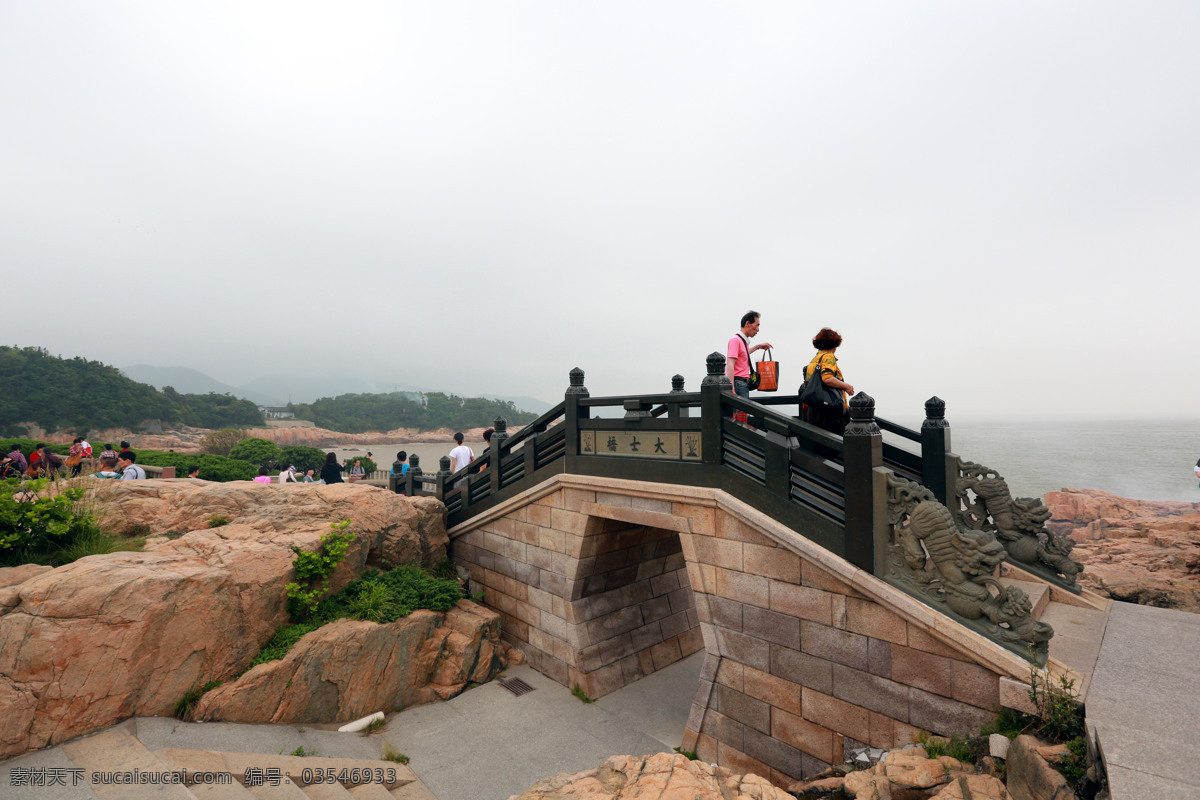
<point x="673" y="445"/>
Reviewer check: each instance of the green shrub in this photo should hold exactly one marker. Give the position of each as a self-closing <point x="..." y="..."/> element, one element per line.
<point x="314" y="568"/>
<point x="212" y="468"/>
<point x="218" y="521"/>
<point x="35" y="522"/>
<point x="578" y="691"/>
<point x="259" y="452"/>
<point x="301" y="457"/>
<point x="93" y="541"/>
<point x="378" y="597"/>
<point x="1060" y="717"/>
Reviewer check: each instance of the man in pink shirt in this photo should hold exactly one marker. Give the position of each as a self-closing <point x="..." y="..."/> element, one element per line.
<point x="737" y="354"/>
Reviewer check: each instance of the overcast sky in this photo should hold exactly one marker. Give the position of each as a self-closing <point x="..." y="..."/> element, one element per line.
<point x="996" y="203"/>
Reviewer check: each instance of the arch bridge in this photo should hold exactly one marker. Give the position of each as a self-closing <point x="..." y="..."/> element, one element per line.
<point x="847" y="590"/>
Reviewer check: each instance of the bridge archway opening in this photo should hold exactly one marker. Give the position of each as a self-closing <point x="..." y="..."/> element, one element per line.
<point x="632" y="605"/>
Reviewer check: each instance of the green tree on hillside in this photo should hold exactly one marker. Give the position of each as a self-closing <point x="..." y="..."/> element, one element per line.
<point x="55" y="393"/>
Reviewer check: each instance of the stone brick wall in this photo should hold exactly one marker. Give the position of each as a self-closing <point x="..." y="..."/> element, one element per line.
<point x="801" y="666"/>
<point x="599" y="588"/>
<point x="591" y="601"/>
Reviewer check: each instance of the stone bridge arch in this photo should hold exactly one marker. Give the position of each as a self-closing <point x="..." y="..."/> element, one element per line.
<point x="601" y="581"/>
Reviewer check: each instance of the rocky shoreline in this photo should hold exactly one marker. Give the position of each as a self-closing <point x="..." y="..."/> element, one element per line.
<point x="185" y="439"/>
<point x="1137" y="551"/>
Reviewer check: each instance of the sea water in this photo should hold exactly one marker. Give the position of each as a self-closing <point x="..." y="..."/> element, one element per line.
<point x="1140" y="460"/>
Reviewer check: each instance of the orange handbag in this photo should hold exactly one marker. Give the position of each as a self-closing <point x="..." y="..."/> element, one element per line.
<point x="768" y="374"/>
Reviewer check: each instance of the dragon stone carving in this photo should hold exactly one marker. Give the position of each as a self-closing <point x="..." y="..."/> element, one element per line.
<point x="952" y="566"/>
<point x="1019" y="524"/>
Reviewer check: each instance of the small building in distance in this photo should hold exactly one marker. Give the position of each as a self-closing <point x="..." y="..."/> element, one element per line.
<point x="277" y="412"/>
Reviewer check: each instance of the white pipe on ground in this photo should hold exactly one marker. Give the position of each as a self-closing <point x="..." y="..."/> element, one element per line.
<point x="359" y="724"/>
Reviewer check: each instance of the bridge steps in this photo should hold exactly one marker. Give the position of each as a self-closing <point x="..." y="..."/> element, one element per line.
<point x="126" y="748"/>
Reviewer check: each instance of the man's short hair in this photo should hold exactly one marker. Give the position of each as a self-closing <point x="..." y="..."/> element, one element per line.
<point x="458" y="437"/>
<point x="749" y="317"/>
<point x="192" y="469"/>
<point x="130" y="456"/>
<point x="108" y="462"/>
<point x="124" y="445"/>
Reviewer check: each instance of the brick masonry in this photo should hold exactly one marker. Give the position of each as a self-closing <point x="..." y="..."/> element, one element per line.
<point x="799" y="665"/>
<point x="591" y="601"/>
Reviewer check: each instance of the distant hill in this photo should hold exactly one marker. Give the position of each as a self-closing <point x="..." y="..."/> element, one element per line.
<point x="57" y="393"/>
<point x="188" y="380"/>
<point x="279" y="390"/>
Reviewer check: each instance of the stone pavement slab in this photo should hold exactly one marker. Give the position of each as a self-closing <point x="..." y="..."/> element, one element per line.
<point x="488" y="744"/>
<point x="1144" y="705"/>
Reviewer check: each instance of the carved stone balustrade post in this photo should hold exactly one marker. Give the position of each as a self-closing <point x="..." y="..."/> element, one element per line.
<point x="714" y="385"/>
<point x="413" y="483"/>
<point x="677" y="411"/>
<point x="936" y="472"/>
<point x="572" y="413"/>
<point x="443" y="474"/>
<point x="862" y="452"/>
<point x="496" y="450"/>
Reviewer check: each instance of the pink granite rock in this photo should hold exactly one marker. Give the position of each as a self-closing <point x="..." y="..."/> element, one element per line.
<point x="351" y="668"/>
<point x="664" y="776"/>
<point x="109" y="636"/>
<point x="1138" y="551"/>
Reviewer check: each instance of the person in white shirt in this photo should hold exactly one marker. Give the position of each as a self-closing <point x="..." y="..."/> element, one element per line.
<point x="288" y="475"/>
<point x="461" y="455"/>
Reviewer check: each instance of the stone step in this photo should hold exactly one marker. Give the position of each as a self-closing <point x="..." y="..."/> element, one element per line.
<point x="328" y="791"/>
<point x="195" y="761"/>
<point x="370" y="791"/>
<point x="1078" y="634"/>
<point x="413" y="791"/>
<point x="1039" y="593"/>
<point x="41" y="775"/>
<point x="117" y="753"/>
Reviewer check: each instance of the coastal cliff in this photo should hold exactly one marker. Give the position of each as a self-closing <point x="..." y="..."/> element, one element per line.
<point x="1138" y="551"/>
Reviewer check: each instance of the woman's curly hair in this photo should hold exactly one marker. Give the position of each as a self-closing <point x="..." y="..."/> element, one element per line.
<point x="827" y="339"/>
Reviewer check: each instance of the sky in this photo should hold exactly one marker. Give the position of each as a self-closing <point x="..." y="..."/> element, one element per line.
<point x="996" y="203"/>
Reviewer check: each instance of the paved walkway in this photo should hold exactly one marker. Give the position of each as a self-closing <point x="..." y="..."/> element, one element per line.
<point x="488" y="744"/>
<point x="485" y="744"/>
<point x="1144" y="702"/>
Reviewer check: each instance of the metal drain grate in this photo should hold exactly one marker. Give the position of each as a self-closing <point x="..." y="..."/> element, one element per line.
<point x="516" y="686"/>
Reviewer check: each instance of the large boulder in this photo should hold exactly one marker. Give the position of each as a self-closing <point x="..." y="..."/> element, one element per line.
<point x="111" y="636"/>
<point x="1030" y="776"/>
<point x="1138" y="551"/>
<point x="665" y="776"/>
<point x="351" y="668"/>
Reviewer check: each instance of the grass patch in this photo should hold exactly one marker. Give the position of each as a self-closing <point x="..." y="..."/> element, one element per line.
<point x="690" y="755"/>
<point x="578" y="691"/>
<point x="1010" y="723"/>
<point x="217" y="520"/>
<point x="391" y="755"/>
<point x="374" y="726"/>
<point x="378" y="597"/>
<point x="300" y="751"/>
<point x="187" y="704"/>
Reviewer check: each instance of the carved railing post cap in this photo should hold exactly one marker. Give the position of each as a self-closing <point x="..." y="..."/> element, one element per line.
<point x="500" y="424"/>
<point x="444" y="464"/>
<point x="676" y="383"/>
<point x="935" y="408"/>
<point x="862" y="406"/>
<point x="715" y="363"/>
<point x="577" y="386"/>
<point x="414" y="461"/>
